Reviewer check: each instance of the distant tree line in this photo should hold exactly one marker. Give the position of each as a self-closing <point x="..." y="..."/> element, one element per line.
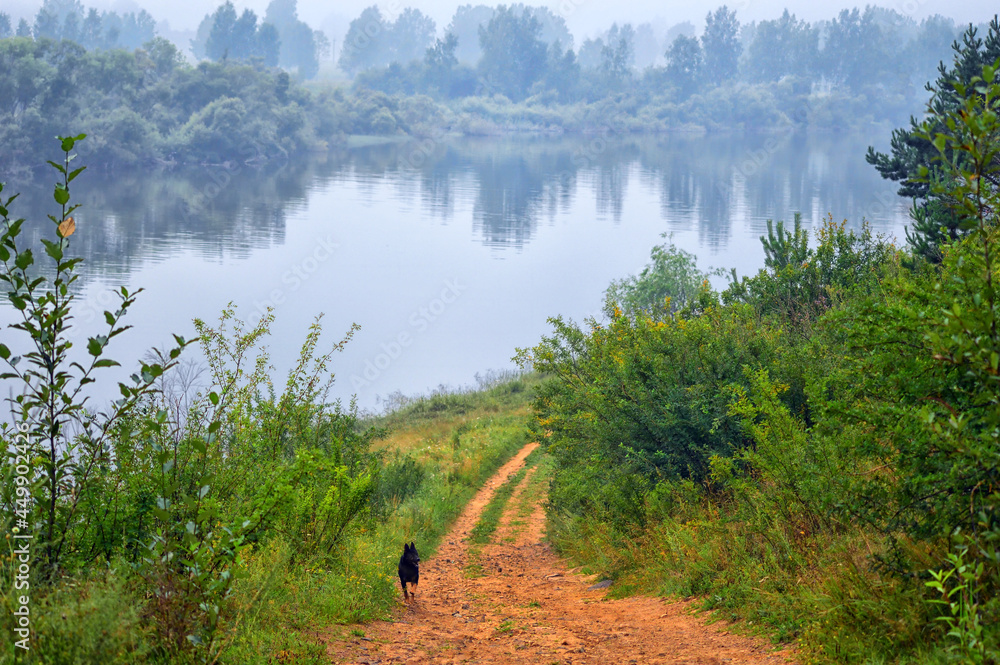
<point x="70" y="20"/>
<point x="279" y="39"/>
<point x="527" y="52"/>
<point x="914" y="161"/>
<point x="147" y="103"/>
<point x="524" y="52"/>
<point x="150" y="105"/>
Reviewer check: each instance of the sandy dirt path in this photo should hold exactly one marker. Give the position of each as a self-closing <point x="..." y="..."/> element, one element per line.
<point x="528" y="608"/>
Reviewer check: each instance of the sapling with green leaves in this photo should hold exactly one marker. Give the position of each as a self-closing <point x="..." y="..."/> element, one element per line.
<point x="68" y="439"/>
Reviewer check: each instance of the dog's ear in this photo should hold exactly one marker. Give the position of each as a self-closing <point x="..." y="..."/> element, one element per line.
<point x="413" y="547"/>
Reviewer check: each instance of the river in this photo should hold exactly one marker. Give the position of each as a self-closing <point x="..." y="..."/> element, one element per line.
<point x="449" y="254"/>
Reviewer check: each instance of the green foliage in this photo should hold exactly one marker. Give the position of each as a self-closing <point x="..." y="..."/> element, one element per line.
<point x="721" y="45"/>
<point x="149" y="106"/>
<point x="872" y="58"/>
<point x="648" y="390"/>
<point x="684" y="65"/>
<point x="946" y="398"/>
<point x="618" y="56"/>
<point x="513" y="53"/>
<point x="145" y="106"/>
<point x="913" y="161"/>
<point x="374" y="42"/>
<point x="190" y="570"/>
<point x="943" y="395"/>
<point x="648" y="395"/>
<point x="785" y="46"/>
<point x="440" y="61"/>
<point x="65" y="441"/>
<point x="968" y="600"/>
<point x="69" y="20"/>
<point x="285" y="598"/>
<point x="298" y="42"/>
<point x="816" y="450"/>
<point x="857" y="52"/>
<point x="562" y="76"/>
<point x="214" y="132"/>
<point x="94" y="619"/>
<point x="364" y="41"/>
<point x="798" y="283"/>
<point x="240" y="38"/>
<point x="664" y="286"/>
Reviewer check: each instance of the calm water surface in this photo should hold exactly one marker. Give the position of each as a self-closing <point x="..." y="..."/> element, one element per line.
<point x="449" y="255"/>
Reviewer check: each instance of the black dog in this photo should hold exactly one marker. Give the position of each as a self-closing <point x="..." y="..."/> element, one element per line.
<point x="409" y="568"/>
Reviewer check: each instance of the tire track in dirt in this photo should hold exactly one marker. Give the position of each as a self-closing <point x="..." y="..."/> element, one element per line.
<point x="510" y="528"/>
<point x="528" y="608"/>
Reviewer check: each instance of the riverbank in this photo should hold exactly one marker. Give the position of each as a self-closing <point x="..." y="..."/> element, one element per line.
<point x="230" y="113"/>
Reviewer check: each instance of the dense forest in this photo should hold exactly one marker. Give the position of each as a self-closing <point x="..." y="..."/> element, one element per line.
<point x="248" y="87"/>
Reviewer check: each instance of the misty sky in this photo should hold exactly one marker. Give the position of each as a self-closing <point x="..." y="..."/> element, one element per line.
<point x="584" y="17"/>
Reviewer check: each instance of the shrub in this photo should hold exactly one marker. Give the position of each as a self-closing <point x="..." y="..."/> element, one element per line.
<point x="648" y="393"/>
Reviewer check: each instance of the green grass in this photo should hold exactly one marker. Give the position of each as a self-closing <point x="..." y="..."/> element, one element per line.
<point x="819" y="592"/>
<point x="282" y="603"/>
<point x="538" y="484"/>
<point x="445" y="410"/>
<point x="460" y="440"/>
<point x="83" y="620"/>
<point x="490" y="518"/>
